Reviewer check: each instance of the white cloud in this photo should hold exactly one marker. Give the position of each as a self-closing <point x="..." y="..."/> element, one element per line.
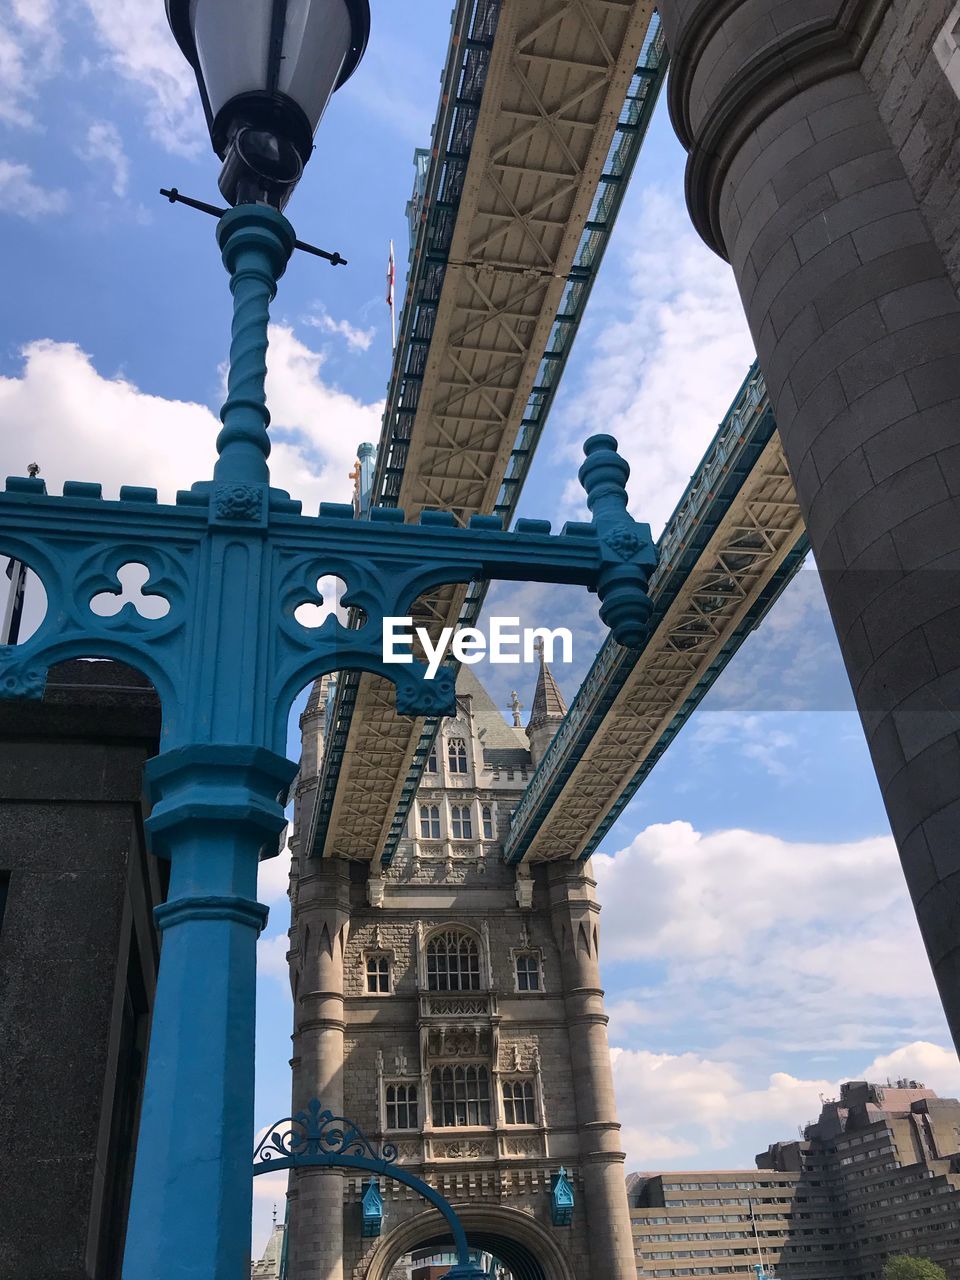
<point x="273" y="878"/>
<point x="757" y="940"/>
<point x="272" y="958"/>
<point x="672" y="351"/>
<point x="676" y="1106"/>
<point x="936" y="1067"/>
<point x="357" y="340"/>
<point x="711" y="894"/>
<point x="20" y="195"/>
<point x="30" y="51"/>
<point x="104" y="145"/>
<point x="687" y="1111"/>
<point x="137" y="39"/>
<point x="82" y="425"/>
<point x="326" y="423"/>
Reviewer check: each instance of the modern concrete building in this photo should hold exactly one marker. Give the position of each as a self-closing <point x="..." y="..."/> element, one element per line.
<point x="824" y="154"/>
<point x="716" y="1223"/>
<point x="451" y="1004"/>
<point x="877" y="1174"/>
<point x="78" y="963"/>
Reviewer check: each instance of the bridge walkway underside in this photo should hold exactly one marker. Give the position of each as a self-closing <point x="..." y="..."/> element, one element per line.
<point x="542" y="110"/>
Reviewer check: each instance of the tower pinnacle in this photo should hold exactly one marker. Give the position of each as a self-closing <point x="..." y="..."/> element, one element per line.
<point x="548" y="710"/>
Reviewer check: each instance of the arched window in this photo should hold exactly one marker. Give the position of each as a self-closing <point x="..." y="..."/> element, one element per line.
<point x="486" y="814"/>
<point x="461" y="822"/>
<point x="528" y="971"/>
<point x="460" y="1096"/>
<point x="429" y="822"/>
<point x="518" y="1104"/>
<point x="402" y="1106"/>
<point x="457" y="755"/>
<point x="453" y="962"/>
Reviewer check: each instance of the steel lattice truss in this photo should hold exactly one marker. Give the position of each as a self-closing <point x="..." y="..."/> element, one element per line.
<point x="556" y="80"/>
<point x="752" y="543"/>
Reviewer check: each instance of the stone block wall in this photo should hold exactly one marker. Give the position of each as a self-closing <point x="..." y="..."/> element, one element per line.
<point x="808" y="169"/>
<point x="920" y="107"/>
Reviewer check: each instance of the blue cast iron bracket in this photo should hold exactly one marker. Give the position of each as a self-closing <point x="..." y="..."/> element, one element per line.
<point x="231" y="562"/>
<point x="234" y="565"/>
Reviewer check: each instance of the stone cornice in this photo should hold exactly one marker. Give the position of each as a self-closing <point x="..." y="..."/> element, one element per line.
<point x="819" y="50"/>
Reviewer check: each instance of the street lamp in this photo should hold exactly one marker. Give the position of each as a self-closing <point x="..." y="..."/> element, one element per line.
<point x="266" y="70"/>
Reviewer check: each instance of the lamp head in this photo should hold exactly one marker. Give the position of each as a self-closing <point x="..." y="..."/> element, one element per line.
<point x="266" y="70"/>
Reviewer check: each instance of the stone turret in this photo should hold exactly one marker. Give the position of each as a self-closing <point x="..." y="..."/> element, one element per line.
<point x="271" y="1263"/>
<point x="547" y="712"/>
<point x="821" y="137"/>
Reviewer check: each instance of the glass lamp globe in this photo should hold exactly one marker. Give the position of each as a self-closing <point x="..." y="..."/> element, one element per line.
<point x="270" y="67"/>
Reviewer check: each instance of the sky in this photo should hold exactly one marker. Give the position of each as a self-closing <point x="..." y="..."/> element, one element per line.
<point x="758" y="945"/>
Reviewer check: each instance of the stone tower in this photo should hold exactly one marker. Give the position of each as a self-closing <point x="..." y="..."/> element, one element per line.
<point x="824" y="150"/>
<point x="451" y="1004"/>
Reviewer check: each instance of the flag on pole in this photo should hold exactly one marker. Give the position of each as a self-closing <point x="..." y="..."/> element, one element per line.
<point x="391" y="281"/>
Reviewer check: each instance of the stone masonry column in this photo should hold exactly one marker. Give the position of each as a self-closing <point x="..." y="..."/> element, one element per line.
<point x="323" y="923"/>
<point x="792" y="176"/>
<point x="574" y="913"/>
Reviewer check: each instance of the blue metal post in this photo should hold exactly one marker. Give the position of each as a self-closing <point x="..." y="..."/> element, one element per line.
<point x="256" y="242"/>
<point x="214" y="807"/>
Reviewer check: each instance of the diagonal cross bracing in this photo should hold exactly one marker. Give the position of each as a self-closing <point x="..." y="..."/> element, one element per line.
<point x="732" y="545"/>
<point x="515" y="225"/>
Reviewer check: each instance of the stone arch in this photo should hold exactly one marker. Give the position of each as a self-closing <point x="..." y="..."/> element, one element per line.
<point x="516" y="1238"/>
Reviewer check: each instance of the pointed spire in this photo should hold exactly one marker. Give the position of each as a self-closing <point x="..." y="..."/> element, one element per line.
<point x="548" y="710"/>
<point x="548" y="707"/>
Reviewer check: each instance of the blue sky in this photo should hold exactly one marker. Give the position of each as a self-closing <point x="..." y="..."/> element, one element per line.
<point x="758" y="941"/>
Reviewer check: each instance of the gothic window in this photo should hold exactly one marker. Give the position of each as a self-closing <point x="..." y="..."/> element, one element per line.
<point x="528" y="971"/>
<point x="453" y="962"/>
<point x="457" y="755"/>
<point x="518" y="1103"/>
<point x="461" y="822"/>
<point x="429" y="822"/>
<point x="378" y="975"/>
<point x="432" y="761"/>
<point x="460" y="1096"/>
<point x="402" y="1106"/>
<point x="486" y="814"/>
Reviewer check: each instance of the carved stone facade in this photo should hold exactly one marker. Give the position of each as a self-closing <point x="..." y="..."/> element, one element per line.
<point x="451" y="1005"/>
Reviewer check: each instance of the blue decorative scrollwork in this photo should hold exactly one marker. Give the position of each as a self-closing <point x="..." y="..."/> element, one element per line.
<point x="317" y="1132"/>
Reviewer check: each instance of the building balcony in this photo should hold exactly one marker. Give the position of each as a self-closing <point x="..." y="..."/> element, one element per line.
<point x="442" y="1006"/>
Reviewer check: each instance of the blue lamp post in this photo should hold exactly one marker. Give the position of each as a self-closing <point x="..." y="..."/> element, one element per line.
<point x="234" y="558"/>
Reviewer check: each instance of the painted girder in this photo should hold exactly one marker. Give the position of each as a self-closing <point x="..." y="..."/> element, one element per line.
<point x="708" y="592"/>
<point x="556" y="82"/>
